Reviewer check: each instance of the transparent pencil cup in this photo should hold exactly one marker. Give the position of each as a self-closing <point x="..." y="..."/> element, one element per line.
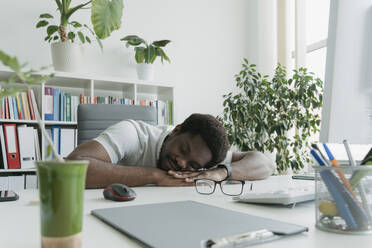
<point x="343" y="199"/>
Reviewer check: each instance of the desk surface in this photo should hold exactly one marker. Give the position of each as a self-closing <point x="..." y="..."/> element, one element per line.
<point x="20" y="224"/>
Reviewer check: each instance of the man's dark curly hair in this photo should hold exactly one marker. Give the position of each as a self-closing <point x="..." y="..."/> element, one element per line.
<point x="212" y="132"/>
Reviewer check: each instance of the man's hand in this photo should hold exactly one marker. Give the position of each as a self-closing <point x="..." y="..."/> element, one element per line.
<point x="165" y="179"/>
<point x="217" y="174"/>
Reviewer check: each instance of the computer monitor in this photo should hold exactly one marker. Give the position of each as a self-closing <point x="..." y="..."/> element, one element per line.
<point x="347" y="103"/>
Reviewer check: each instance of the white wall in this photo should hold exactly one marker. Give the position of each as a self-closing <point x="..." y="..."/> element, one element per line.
<point x="209" y="40"/>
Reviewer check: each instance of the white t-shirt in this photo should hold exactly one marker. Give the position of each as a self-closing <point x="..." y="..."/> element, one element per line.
<point x="137" y="143"/>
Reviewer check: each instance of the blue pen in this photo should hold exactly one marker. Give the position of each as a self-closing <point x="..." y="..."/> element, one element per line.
<point x="317" y="157"/>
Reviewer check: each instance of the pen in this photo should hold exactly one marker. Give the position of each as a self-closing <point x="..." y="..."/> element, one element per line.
<point x="316" y="147"/>
<point x="317" y="157"/>
<point x="360" y="186"/>
<point x="340" y="173"/>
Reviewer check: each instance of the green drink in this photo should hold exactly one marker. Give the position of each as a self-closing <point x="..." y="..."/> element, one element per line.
<point x="61" y="189"/>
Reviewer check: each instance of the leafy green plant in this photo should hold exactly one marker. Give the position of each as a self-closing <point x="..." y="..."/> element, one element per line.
<point x="146" y="53"/>
<point x="105" y="15"/>
<point x="24" y="79"/>
<point x="261" y="114"/>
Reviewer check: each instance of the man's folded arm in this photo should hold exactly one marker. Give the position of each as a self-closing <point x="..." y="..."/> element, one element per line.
<point x="251" y="165"/>
<point x="101" y="172"/>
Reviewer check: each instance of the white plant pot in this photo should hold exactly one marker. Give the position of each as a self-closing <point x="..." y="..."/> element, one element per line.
<point x="67" y="56"/>
<point x="145" y="71"/>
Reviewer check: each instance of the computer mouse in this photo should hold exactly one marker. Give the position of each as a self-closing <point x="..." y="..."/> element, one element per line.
<point x="119" y="192"/>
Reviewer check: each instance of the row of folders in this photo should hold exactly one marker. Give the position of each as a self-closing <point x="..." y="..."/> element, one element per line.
<point x="20" y="145"/>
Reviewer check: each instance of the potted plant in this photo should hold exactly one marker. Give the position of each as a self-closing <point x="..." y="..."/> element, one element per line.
<point x="145" y="55"/>
<point x="68" y="35"/>
<point x="260" y="116"/>
<point x="59" y="180"/>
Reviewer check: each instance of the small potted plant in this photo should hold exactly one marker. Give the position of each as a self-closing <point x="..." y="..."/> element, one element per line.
<point x="68" y="36"/>
<point x="146" y="53"/>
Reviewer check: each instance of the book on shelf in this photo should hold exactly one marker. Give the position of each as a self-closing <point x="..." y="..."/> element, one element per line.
<point x="21" y="106"/>
<point x="15" y="108"/>
<point x="26" y="108"/>
<point x="56" y="99"/>
<point x="31" y="106"/>
<point x="48" y="107"/>
<point x="34" y="103"/>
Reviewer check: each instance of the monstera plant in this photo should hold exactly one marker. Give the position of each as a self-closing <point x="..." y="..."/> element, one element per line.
<point x="67" y="35"/>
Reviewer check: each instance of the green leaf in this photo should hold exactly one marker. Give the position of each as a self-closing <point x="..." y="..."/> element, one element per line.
<point x="52" y="29"/>
<point x="106" y="16"/>
<point x="88" y="40"/>
<point x="162" y="54"/>
<point x="81" y="37"/>
<point x="71" y="36"/>
<point x="46" y="15"/>
<point x="76" y="24"/>
<point x="161" y="43"/>
<point x="11" y="62"/>
<point x="150" y="54"/>
<point x="140" y="54"/>
<point x="49" y="150"/>
<point x="133" y="40"/>
<point x="42" y="23"/>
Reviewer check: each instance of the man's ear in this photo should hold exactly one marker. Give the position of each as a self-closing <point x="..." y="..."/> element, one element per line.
<point x="175" y="130"/>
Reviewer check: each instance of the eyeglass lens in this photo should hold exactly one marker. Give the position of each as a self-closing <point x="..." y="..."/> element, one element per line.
<point x="229" y="187"/>
<point x="205" y="186"/>
<point x="232" y="187"/>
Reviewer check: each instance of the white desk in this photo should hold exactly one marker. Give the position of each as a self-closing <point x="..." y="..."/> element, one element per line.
<point x="20" y="224"/>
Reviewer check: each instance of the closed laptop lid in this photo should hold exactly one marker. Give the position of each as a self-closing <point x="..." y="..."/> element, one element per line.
<point x="185" y="224"/>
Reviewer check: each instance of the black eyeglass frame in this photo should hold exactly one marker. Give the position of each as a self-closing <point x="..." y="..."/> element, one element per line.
<point x="219" y="182"/>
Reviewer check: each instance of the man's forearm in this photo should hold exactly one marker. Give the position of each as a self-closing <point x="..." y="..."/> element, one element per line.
<point x="251" y="166"/>
<point x="100" y="174"/>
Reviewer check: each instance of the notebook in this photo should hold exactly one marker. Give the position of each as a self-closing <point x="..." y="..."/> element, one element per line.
<point x="186" y="224"/>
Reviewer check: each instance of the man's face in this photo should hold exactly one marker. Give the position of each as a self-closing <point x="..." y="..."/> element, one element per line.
<point x="184" y="152"/>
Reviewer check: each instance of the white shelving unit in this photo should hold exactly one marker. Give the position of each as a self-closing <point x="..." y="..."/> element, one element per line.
<point x="90" y="85"/>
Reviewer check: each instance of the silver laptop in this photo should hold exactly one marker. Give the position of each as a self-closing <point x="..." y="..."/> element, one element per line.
<point x="186" y="224"/>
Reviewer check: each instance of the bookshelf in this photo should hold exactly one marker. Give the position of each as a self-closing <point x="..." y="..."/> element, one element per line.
<point x="91" y="86"/>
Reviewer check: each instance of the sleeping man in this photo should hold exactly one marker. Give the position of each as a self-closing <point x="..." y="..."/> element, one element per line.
<point x="135" y="153"/>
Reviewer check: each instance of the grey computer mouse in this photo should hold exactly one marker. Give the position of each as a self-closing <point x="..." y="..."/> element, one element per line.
<point x="119" y="192"/>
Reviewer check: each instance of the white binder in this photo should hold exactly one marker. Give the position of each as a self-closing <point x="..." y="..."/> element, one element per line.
<point x="67" y="141"/>
<point x="3" y="149"/>
<point x="26" y="141"/>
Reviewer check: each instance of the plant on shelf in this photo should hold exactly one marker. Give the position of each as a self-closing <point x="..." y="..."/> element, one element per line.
<point x="146" y="53"/>
<point x="105" y="16"/>
<point x="24" y="79"/>
<point x="260" y="116"/>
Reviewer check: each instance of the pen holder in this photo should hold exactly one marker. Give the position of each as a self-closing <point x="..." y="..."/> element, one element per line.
<point x="343" y="199"/>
